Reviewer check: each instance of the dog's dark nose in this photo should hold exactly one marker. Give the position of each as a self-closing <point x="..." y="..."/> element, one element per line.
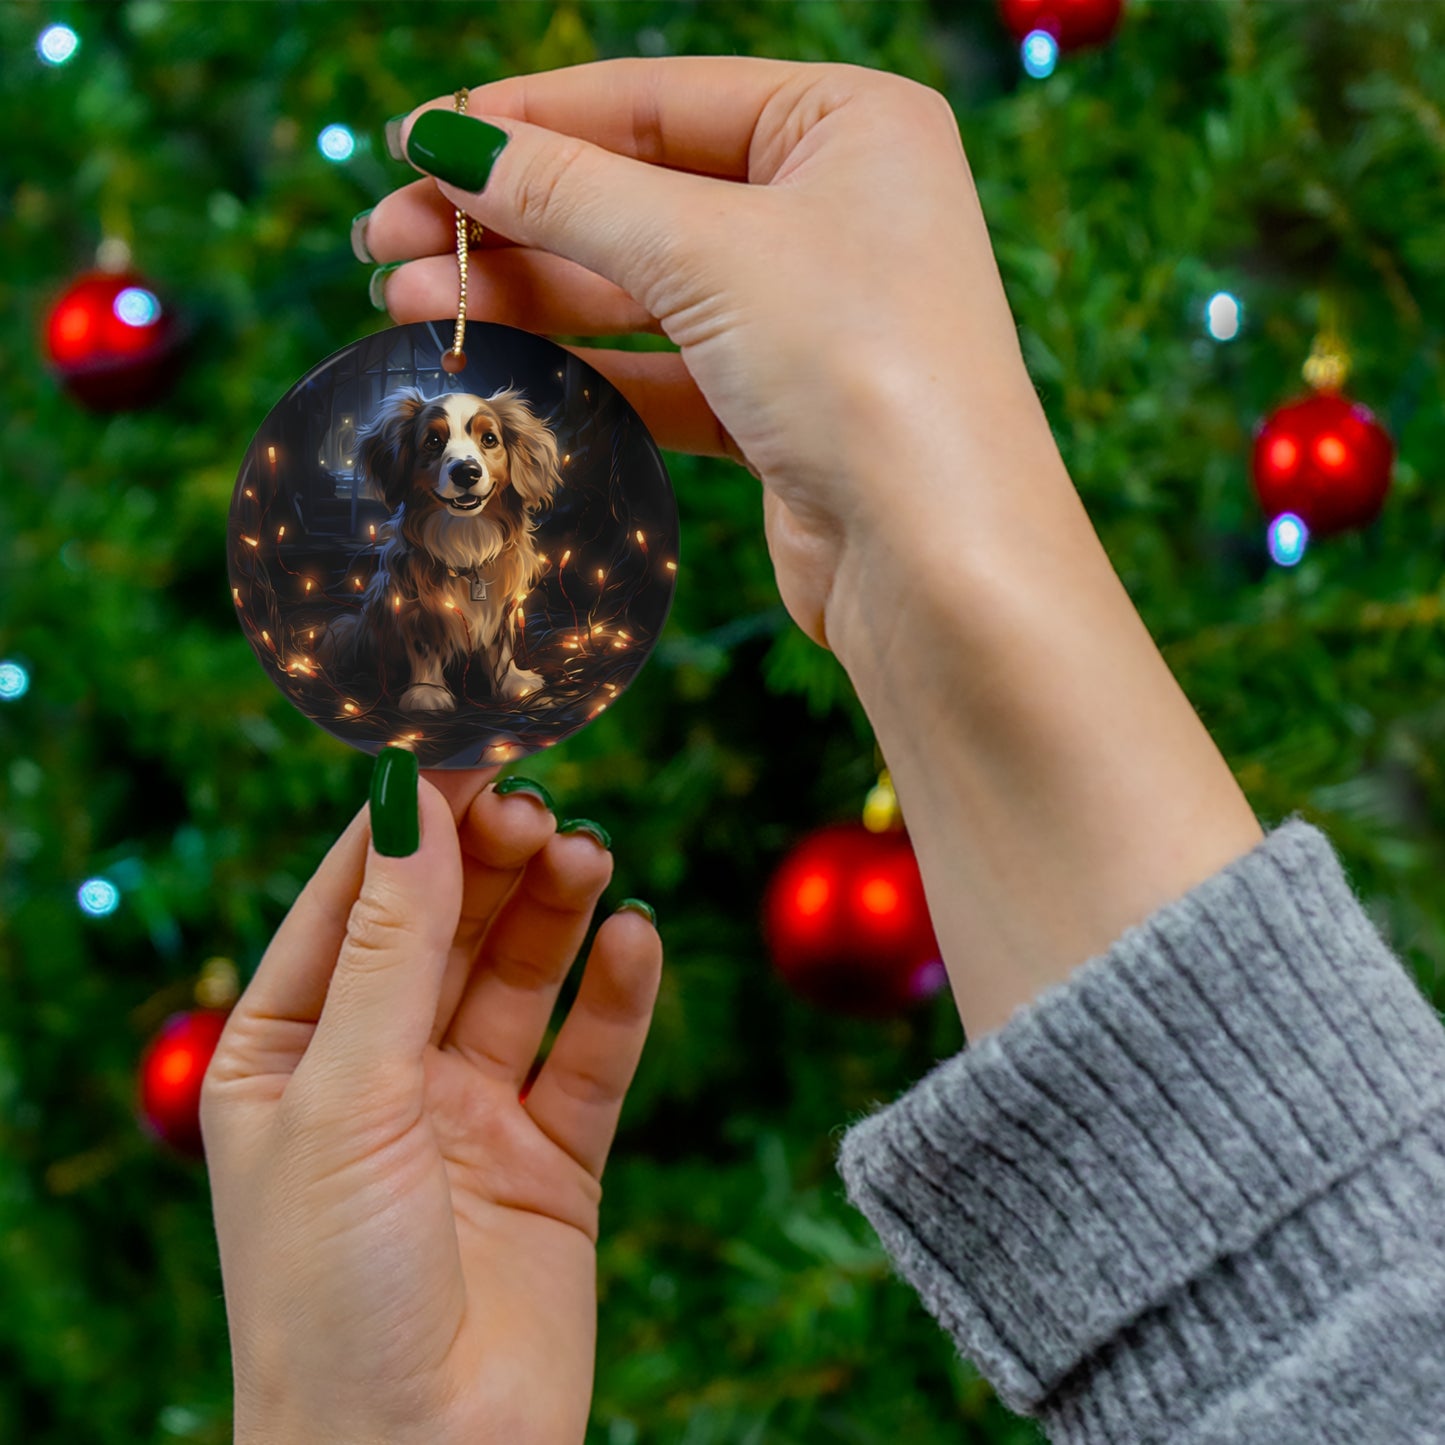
<point x="465" y="473"/>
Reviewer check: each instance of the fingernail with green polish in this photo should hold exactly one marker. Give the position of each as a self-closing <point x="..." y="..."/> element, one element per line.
<point x="395" y="820"/>
<point x="529" y="787"/>
<point x="392" y="131"/>
<point x="636" y="905"/>
<point x="376" y="287"/>
<point x="455" y="148"/>
<point x="586" y="825"/>
<point x="358" y="236"/>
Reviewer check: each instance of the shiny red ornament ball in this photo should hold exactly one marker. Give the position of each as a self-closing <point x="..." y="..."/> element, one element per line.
<point x="1073" y="23"/>
<point x="112" y="340"/>
<point x="171" y="1071"/>
<point x="847" y="924"/>
<point x="1324" y="458"/>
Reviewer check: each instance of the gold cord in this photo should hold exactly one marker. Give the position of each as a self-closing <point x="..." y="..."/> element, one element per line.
<point x="456" y="358"/>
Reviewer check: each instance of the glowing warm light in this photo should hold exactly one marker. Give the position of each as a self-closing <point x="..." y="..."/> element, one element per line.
<point x="566" y="459"/>
<point x="251" y="541"/>
<point x="396" y="601"/>
<point x="57" y="44"/>
<point x="356" y="582"/>
<point x="249" y="492"/>
<point x="271" y="457"/>
<point x="1331" y="451"/>
<point x="672" y="566"/>
<point x="1223" y="316"/>
<point x="619" y="645"/>
<point x="348" y="707"/>
<point x="373" y="531"/>
<point x="451" y="606"/>
<point x="879" y="897"/>
<point x="309" y="584"/>
<point x="625" y="636"/>
<point x="1040" y="54"/>
<point x="98" y="897"/>
<point x="812" y="894"/>
<point x="641" y="540"/>
<point x="1283" y="454"/>
<point x="565" y="556"/>
<point x="280" y="532"/>
<point x="600" y="574"/>
<point x="336" y="143"/>
<point x="14" y="681"/>
<point x="236" y="595"/>
<point x="1288" y="538"/>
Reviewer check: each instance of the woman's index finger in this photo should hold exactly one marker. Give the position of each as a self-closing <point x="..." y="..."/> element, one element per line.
<point x="695" y="113"/>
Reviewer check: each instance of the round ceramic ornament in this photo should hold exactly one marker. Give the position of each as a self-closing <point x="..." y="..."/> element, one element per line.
<point x="466" y="553"/>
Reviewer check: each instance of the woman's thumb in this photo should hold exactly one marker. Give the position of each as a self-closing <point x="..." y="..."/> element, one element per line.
<point x="382" y="1000"/>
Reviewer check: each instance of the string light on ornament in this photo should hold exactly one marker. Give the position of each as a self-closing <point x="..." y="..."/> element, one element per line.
<point x="173" y="1066"/>
<point x="1045" y="29"/>
<point x="14" y="681"/>
<point x="57" y="44"/>
<point x="1223" y="316"/>
<point x="845" y="918"/>
<point x="98" y="897"/>
<point x="1323" y="458"/>
<point x="336" y="143"/>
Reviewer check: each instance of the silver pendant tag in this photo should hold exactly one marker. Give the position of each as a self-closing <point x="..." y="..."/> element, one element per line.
<point x="479" y="590"/>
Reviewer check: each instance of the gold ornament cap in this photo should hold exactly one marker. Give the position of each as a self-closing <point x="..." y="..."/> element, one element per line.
<point x="219" y="985"/>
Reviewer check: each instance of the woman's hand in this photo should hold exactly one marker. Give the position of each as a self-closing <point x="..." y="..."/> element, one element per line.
<point x="810" y="237"/>
<point x="408" y="1247"/>
<point x="842" y="325"/>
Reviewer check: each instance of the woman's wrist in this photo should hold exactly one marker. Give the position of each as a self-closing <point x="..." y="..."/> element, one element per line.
<point x="1057" y="784"/>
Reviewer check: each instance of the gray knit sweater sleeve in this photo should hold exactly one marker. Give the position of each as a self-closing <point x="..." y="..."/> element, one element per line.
<point x="1196" y="1192"/>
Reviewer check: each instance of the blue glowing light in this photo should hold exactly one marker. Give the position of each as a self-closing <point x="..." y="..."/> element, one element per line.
<point x="1040" y="52"/>
<point x="136" y="306"/>
<point x="14" y="681"/>
<point x="57" y="44"/>
<point x="336" y="143"/>
<point x="98" y="897"/>
<point x="1288" y="537"/>
<point x="1223" y="316"/>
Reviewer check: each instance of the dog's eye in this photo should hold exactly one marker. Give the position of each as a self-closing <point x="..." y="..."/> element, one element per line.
<point x="433" y="443"/>
<point x="490" y="439"/>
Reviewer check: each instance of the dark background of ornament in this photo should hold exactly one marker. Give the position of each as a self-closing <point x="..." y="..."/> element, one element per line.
<point x="615" y="485"/>
<point x="1258" y="148"/>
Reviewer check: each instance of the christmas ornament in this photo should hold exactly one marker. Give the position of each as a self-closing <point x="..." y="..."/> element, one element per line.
<point x="1073" y="24"/>
<point x="112" y="342"/>
<point x="1323" y="458"/>
<point x="466" y="552"/>
<point x="174" y="1064"/>
<point x="846" y="921"/>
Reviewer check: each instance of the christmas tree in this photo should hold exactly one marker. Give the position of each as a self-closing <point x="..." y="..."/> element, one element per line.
<point x="1179" y="214"/>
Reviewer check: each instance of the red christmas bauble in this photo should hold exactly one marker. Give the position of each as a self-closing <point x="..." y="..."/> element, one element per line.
<point x="1324" y="458"/>
<point x="171" y="1072"/>
<point x="847" y="924"/>
<point x="1073" y="23"/>
<point x="112" y="341"/>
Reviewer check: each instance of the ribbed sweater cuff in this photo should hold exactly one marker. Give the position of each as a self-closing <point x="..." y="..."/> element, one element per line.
<point x="1168" y="1151"/>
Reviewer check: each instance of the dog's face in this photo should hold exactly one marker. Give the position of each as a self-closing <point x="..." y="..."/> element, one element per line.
<point x="459" y="451"/>
<point x="457" y="454"/>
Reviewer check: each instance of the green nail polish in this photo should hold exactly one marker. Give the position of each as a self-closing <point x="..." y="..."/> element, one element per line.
<point x="392" y="132"/>
<point x="455" y="148"/>
<point x="527" y="786"/>
<point x="586" y="825"/>
<point x="395" y="820"/>
<point x="636" y="905"/>
<point x="358" y="237"/>
<point x="376" y="287"/>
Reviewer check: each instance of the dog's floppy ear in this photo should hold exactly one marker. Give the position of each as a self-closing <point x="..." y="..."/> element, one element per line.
<point x="531" y="450"/>
<point x="387" y="446"/>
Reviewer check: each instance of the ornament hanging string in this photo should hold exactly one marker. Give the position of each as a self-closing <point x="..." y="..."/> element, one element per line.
<point x="468" y="230"/>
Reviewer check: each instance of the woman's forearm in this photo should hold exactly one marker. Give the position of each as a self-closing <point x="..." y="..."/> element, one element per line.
<point x="1057" y="784"/>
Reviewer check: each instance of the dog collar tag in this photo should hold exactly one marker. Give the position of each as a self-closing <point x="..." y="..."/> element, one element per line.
<point x="382" y="478"/>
